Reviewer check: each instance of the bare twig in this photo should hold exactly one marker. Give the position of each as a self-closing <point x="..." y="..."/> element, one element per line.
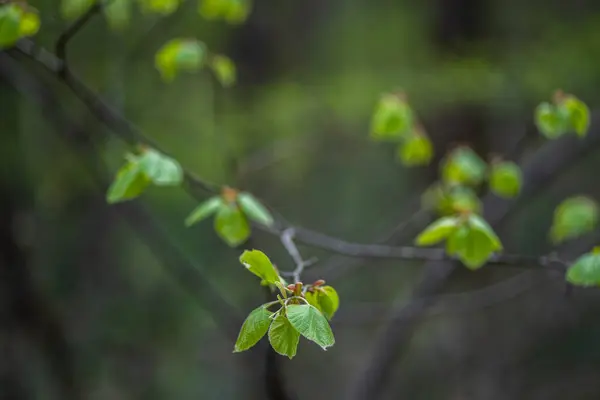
<point x="287" y="239"/>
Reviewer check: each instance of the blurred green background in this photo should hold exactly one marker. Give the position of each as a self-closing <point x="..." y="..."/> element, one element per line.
<point x="91" y="313"/>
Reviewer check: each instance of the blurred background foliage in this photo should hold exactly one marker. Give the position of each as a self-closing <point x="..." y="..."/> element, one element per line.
<point x="294" y="131"/>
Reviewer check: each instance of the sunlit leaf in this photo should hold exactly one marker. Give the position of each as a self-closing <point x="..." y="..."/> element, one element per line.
<point x="259" y="264"/>
<point x="574" y="217"/>
<point x="506" y="179"/>
<point x="463" y="167"/>
<point x="231" y="225"/>
<point x="163" y="7"/>
<point x="473" y="242"/>
<point x="179" y="55"/>
<point x="224" y="69"/>
<point x="585" y="271"/>
<point x="10" y="25"/>
<point x="549" y="121"/>
<point x="449" y="200"/>
<point x="283" y="337"/>
<point x="204" y="210"/>
<point x="437" y="231"/>
<point x="391" y="119"/>
<point x="161" y="169"/>
<point x="254" y="328"/>
<point x="311" y="324"/>
<point x="415" y="150"/>
<point x="30" y="24"/>
<point x="478" y="223"/>
<point x="129" y="183"/>
<point x="579" y="115"/>
<point x="254" y="209"/>
<point x="325" y="299"/>
<point x="232" y="11"/>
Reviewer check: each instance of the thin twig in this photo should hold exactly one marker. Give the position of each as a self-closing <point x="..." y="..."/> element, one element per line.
<point x="287" y="239"/>
<point x="73" y="29"/>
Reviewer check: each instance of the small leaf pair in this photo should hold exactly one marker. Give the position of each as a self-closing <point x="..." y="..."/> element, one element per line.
<point x="505" y="179"/>
<point x="416" y="149"/>
<point x="140" y="171"/>
<point x="468" y="237"/>
<point x="566" y="114"/>
<point x="17" y="21"/>
<point x="180" y="55"/>
<point x="574" y="217"/>
<point x="232" y="212"/>
<point x="284" y="328"/>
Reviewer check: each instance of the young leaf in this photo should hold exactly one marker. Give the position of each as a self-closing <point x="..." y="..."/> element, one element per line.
<point x="450" y="200"/>
<point x="204" y="210"/>
<point x="30" y="24"/>
<point x="392" y="118"/>
<point x="254" y="328"/>
<point x="160" y="169"/>
<point x="231" y="225"/>
<point x="224" y="69"/>
<point x="549" y="121"/>
<point x="573" y="217"/>
<point x="311" y="324"/>
<point x="506" y="179"/>
<point x="259" y="264"/>
<point x="10" y="22"/>
<point x="463" y="167"/>
<point x="479" y="224"/>
<point x="163" y="7"/>
<point x="253" y="209"/>
<point x="325" y="299"/>
<point x="471" y="246"/>
<point x="179" y="54"/>
<point x="283" y="336"/>
<point x="129" y="183"/>
<point x="579" y="115"/>
<point x="585" y="271"/>
<point x="437" y="231"/>
<point x="415" y="150"/>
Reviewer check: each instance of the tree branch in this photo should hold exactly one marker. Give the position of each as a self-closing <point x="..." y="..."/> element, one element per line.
<point x="195" y="186"/>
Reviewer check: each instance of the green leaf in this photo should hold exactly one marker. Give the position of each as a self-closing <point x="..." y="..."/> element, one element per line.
<point x="204" y="210"/>
<point x="391" y="119"/>
<point x="311" y="324"/>
<point x="30" y="24"/>
<point x="283" y="337"/>
<point x="129" y="183"/>
<point x="231" y="225"/>
<point x="574" y="217"/>
<point x="549" y="121"/>
<point x="224" y="69"/>
<point x="160" y="169"/>
<point x="163" y="7"/>
<point x="450" y="200"/>
<point x="579" y="115"/>
<point x="481" y="225"/>
<point x="71" y="9"/>
<point x="473" y="243"/>
<point x="463" y="167"/>
<point x="585" y="271"/>
<point x="232" y="11"/>
<point x="118" y="13"/>
<point x="415" y="150"/>
<point x="259" y="264"/>
<point x="179" y="55"/>
<point x="254" y="328"/>
<point x="506" y="179"/>
<point x="325" y="299"/>
<point x="10" y="25"/>
<point x="437" y="231"/>
<point x="254" y="209"/>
